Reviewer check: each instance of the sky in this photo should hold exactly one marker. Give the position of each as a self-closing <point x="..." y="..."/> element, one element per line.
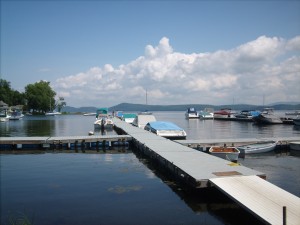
<point x="101" y="53"/>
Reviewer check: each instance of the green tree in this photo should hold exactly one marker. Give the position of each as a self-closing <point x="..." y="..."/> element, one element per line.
<point x="10" y="96"/>
<point x="40" y="96"/>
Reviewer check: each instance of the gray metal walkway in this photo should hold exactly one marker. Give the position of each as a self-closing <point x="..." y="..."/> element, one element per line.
<point x="261" y="198"/>
<point x="197" y="165"/>
<point x="242" y="184"/>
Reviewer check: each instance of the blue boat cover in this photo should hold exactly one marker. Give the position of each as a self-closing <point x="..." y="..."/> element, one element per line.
<point x="162" y="125"/>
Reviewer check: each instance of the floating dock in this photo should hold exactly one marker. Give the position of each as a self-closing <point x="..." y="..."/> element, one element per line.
<point x="71" y="142"/>
<point x="264" y="200"/>
<point x="234" y="141"/>
<point x="196" y="169"/>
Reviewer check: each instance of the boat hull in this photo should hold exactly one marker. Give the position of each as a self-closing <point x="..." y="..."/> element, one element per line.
<point x="228" y="153"/>
<point x="261" y="119"/>
<point x="258" y="147"/>
<point x="295" y="148"/>
<point x="296" y="122"/>
<point x="191" y="116"/>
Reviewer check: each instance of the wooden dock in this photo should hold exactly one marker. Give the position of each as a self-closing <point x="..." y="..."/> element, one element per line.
<point x="264" y="200"/>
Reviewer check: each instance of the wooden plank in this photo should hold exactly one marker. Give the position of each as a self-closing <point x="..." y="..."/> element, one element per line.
<point x="263" y="199"/>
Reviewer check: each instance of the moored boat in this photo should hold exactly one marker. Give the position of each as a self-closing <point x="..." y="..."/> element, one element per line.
<point x="16" y="115"/>
<point x="224" y="152"/>
<point x="296" y="121"/>
<point x="142" y="119"/>
<point x="128" y="117"/>
<point x="207" y="113"/>
<point x="103" y="121"/>
<point x="260" y="147"/>
<point x="191" y="113"/>
<point x="295" y="113"/>
<point x="166" y="129"/>
<point x="4" y="115"/>
<point x="52" y="113"/>
<point x="295" y="148"/>
<point x="267" y="117"/>
<point x="222" y="113"/>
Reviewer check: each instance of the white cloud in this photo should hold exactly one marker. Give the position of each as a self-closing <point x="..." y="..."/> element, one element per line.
<point x="267" y="66"/>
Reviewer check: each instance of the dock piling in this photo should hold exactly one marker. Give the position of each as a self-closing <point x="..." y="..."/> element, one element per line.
<point x="284" y="215"/>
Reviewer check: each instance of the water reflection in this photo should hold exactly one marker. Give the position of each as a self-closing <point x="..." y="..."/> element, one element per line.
<point x="205" y="201"/>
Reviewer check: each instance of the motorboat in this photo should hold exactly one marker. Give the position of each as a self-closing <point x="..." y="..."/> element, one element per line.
<point x="295" y="148"/>
<point x="267" y="117"/>
<point x="52" y="113"/>
<point x="4" y="116"/>
<point x="207" y="113"/>
<point x="223" y="113"/>
<point x="128" y="117"/>
<point x="296" y="121"/>
<point x="89" y="114"/>
<point x="16" y="115"/>
<point x="224" y="152"/>
<point x="260" y="147"/>
<point x="191" y="113"/>
<point x="103" y="120"/>
<point x="247" y="114"/>
<point x="166" y="129"/>
<point x="295" y="113"/>
<point x="142" y="119"/>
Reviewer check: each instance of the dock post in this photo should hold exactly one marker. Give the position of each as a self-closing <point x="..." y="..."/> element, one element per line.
<point x="284" y="215"/>
<point x="76" y="143"/>
<point x="103" y="145"/>
<point x="83" y="145"/>
<point x="97" y="145"/>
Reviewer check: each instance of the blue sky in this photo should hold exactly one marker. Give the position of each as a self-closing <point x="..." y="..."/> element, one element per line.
<point x="101" y="53"/>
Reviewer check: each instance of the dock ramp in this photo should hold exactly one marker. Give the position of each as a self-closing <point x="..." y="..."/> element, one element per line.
<point x="261" y="198"/>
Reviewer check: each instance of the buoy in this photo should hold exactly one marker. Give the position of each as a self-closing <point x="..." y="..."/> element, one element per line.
<point x="91" y="133"/>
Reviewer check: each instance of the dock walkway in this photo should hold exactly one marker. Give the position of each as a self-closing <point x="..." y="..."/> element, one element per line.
<point x="244" y="185"/>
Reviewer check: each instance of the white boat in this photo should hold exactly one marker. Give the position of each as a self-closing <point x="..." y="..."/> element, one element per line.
<point x="207" y="113"/>
<point x="103" y="120"/>
<point x="142" y="119"/>
<point x="4" y="115"/>
<point x="259" y="147"/>
<point x="89" y="114"/>
<point x="128" y="117"/>
<point x="52" y="113"/>
<point x="267" y="117"/>
<point x="191" y="113"/>
<point x="224" y="152"/>
<point x="296" y="113"/>
<point x="166" y="129"/>
<point x="16" y="115"/>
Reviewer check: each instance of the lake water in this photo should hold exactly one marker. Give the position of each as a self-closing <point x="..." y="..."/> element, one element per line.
<point x="122" y="187"/>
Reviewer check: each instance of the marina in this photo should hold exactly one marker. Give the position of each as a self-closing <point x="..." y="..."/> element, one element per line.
<point x="189" y="167"/>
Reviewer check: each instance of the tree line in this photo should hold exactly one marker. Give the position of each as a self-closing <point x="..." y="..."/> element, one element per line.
<point x="37" y="98"/>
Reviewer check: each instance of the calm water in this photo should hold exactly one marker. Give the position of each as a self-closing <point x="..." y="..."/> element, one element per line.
<point x="78" y="188"/>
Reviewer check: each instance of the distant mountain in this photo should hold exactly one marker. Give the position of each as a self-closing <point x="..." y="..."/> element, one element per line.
<point x="71" y="109"/>
<point x="141" y="107"/>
